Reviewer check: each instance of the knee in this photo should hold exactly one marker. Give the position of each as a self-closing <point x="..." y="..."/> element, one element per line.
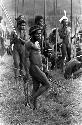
<point x="16" y="64"/>
<point x="47" y="86"/>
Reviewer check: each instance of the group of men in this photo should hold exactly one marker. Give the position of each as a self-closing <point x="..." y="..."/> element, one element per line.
<point x="28" y="54"/>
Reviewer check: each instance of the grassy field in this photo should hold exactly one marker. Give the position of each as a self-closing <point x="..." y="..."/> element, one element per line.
<point x="62" y="105"/>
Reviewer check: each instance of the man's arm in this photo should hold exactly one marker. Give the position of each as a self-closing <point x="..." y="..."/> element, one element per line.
<point x="33" y="46"/>
<point x="12" y="42"/>
<point x="22" y="41"/>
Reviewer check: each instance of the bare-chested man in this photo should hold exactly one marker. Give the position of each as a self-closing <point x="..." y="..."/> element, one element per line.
<point x="33" y="55"/>
<point x="18" y="46"/>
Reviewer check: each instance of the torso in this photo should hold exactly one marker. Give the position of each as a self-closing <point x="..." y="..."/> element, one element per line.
<point x="65" y="34"/>
<point x="35" y="54"/>
<point x="21" y="35"/>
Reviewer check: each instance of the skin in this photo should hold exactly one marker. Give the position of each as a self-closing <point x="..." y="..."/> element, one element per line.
<point x="33" y="55"/>
<point x="64" y="34"/>
<point x="41" y="22"/>
<point x="18" y="49"/>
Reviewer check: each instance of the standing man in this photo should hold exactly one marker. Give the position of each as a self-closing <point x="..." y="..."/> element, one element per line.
<point x="64" y="33"/>
<point x="45" y="47"/>
<point x="19" y="47"/>
<point x="33" y="65"/>
<point x="39" y="20"/>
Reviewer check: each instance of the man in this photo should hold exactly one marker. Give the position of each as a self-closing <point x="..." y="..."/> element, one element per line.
<point x="64" y="33"/>
<point x="19" y="48"/>
<point x="33" y="55"/>
<point x="39" y="20"/>
<point x="44" y="44"/>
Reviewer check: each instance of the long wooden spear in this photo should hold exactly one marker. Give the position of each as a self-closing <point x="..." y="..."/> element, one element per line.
<point x="71" y="20"/>
<point x="56" y="33"/>
<point x="45" y="31"/>
<point x="23" y="6"/>
<point x="15" y="9"/>
<point x="44" y="17"/>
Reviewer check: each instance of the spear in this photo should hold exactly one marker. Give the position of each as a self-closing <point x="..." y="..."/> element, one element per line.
<point x="23" y="6"/>
<point x="56" y="34"/>
<point x="45" y="30"/>
<point x="34" y="9"/>
<point x="10" y="20"/>
<point x="71" y="20"/>
<point x="44" y="17"/>
<point x="15" y="9"/>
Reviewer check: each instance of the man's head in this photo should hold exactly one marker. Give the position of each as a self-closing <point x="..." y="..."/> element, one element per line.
<point x="35" y="32"/>
<point x="21" y="23"/>
<point x="64" y="22"/>
<point x="39" y="20"/>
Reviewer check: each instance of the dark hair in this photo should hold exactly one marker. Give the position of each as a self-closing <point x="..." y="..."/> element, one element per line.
<point x="20" y="20"/>
<point x="33" y="29"/>
<point x="63" y="21"/>
<point x="37" y="19"/>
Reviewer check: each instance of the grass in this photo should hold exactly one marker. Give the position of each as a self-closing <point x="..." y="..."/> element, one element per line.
<point x="59" y="106"/>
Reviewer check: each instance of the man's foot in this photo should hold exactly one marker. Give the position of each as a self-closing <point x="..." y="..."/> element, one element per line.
<point x="16" y="80"/>
<point x="33" y="103"/>
<point x="27" y="103"/>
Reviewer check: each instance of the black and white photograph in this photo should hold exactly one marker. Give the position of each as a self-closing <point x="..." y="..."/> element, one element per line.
<point x="40" y="62"/>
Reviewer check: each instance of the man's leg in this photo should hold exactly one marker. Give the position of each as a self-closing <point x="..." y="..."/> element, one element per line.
<point x="16" y="63"/>
<point x="21" y="65"/>
<point x="40" y="77"/>
<point x="26" y="79"/>
<point x="36" y="86"/>
<point x="22" y="59"/>
<point x="25" y="86"/>
<point x="63" y="50"/>
<point x="69" y="52"/>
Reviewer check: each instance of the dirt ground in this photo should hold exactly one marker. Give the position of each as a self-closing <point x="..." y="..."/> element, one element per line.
<point x="62" y="105"/>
